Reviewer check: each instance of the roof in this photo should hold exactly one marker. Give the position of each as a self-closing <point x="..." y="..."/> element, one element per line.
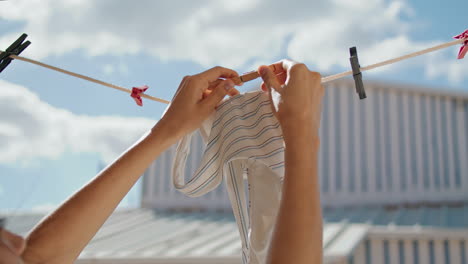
<point x="151" y="236"/>
<point x="429" y="215"/>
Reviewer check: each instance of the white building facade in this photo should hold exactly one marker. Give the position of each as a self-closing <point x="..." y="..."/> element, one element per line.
<point x="401" y="145"/>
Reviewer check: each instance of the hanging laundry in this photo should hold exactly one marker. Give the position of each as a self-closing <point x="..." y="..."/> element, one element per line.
<point x="243" y="140"/>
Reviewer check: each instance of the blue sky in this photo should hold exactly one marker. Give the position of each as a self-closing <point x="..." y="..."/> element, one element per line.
<point x="56" y="131"/>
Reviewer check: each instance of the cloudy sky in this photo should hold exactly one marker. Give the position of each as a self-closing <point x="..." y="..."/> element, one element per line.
<point x="57" y="131"/>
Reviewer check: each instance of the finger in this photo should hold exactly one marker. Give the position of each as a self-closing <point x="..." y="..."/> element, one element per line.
<point x="217" y="72"/>
<point x="269" y="78"/>
<point x="8" y="257"/>
<point x="213" y="99"/>
<point x="215" y="83"/>
<point x="277" y="67"/>
<point x="282" y="77"/>
<point x="13" y="241"/>
<point x="233" y="92"/>
<point x="181" y="85"/>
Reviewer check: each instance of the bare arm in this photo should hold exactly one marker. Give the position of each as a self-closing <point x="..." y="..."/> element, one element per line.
<point x="62" y="235"/>
<point x="297" y="235"/>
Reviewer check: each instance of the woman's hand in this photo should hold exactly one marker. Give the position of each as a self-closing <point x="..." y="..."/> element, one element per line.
<point x="11" y="247"/>
<point x="296" y="94"/>
<point x="196" y="98"/>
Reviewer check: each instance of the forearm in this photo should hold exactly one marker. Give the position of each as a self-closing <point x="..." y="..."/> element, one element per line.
<point x="298" y="231"/>
<point x="61" y="236"/>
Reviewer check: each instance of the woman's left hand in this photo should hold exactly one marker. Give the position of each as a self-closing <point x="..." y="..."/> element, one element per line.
<point x="196" y="99"/>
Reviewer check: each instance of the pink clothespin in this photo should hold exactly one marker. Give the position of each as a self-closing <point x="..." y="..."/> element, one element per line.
<point x="136" y="94"/>
<point x="464" y="48"/>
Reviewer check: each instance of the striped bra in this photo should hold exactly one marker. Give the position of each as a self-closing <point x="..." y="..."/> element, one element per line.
<point x="243" y="141"/>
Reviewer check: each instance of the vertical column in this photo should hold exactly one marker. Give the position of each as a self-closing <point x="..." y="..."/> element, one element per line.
<point x="357" y="151"/>
<point x="352" y="123"/>
<point x="360" y="254"/>
<point x="462" y="120"/>
<point x="445" y="143"/>
<point x="450" y="148"/>
<point x="439" y="251"/>
<point x="408" y="251"/>
<point x="380" y="143"/>
<point x="406" y="145"/>
<point x="386" y="143"/>
<point x="393" y="250"/>
<point x="427" y="145"/>
<point x="423" y="251"/>
<point x="395" y="139"/>
<point x="338" y="140"/>
<point x="344" y="148"/>
<point x="370" y="111"/>
<point x="418" y="135"/>
<point x="438" y="142"/>
<point x="454" y="251"/>
<point x="377" y="255"/>
<point x="455" y="109"/>
<point x="332" y="162"/>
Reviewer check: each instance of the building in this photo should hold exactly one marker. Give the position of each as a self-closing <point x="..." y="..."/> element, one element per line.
<point x="394" y="167"/>
<point x="394" y="186"/>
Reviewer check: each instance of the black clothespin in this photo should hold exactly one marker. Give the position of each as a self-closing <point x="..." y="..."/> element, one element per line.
<point x="357" y="75"/>
<point x="15" y="49"/>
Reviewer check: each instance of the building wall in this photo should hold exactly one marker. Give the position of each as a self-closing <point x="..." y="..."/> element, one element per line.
<point x="400" y="145"/>
<point x="412" y="247"/>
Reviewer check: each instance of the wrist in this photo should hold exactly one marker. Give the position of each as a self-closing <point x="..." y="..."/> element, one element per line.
<point x="165" y="133"/>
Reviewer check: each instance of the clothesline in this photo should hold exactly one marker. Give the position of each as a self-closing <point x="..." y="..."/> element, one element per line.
<point x="248" y="76"/>
<point x="394" y="60"/>
<point x="77" y="75"/>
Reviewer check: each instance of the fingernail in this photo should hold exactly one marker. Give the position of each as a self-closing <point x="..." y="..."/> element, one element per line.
<point x="263" y="71"/>
<point x="228" y="86"/>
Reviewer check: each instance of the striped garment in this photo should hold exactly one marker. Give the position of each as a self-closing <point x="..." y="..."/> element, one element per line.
<point x="243" y="139"/>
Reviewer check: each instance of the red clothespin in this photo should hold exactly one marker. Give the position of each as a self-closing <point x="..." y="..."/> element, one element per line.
<point x="464" y="48"/>
<point x="136" y="94"/>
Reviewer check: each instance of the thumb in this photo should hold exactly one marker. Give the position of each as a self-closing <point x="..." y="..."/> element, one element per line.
<point x="219" y="92"/>
<point x="269" y="78"/>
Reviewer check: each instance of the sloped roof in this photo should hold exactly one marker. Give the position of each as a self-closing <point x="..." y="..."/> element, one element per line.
<point x="150" y="236"/>
<point x="430" y="215"/>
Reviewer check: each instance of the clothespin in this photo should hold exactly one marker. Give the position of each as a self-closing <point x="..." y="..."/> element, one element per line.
<point x="464" y="48"/>
<point x="357" y="75"/>
<point x="15" y="49"/>
<point x="137" y="92"/>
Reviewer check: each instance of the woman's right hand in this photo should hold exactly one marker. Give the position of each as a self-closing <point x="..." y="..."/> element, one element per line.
<point x="11" y="247"/>
<point x="296" y="94"/>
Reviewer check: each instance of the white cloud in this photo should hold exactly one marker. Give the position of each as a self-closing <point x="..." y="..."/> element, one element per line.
<point x="44" y="208"/>
<point x="439" y="66"/>
<point x="224" y="32"/>
<point x="108" y="69"/>
<point x="31" y="129"/>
